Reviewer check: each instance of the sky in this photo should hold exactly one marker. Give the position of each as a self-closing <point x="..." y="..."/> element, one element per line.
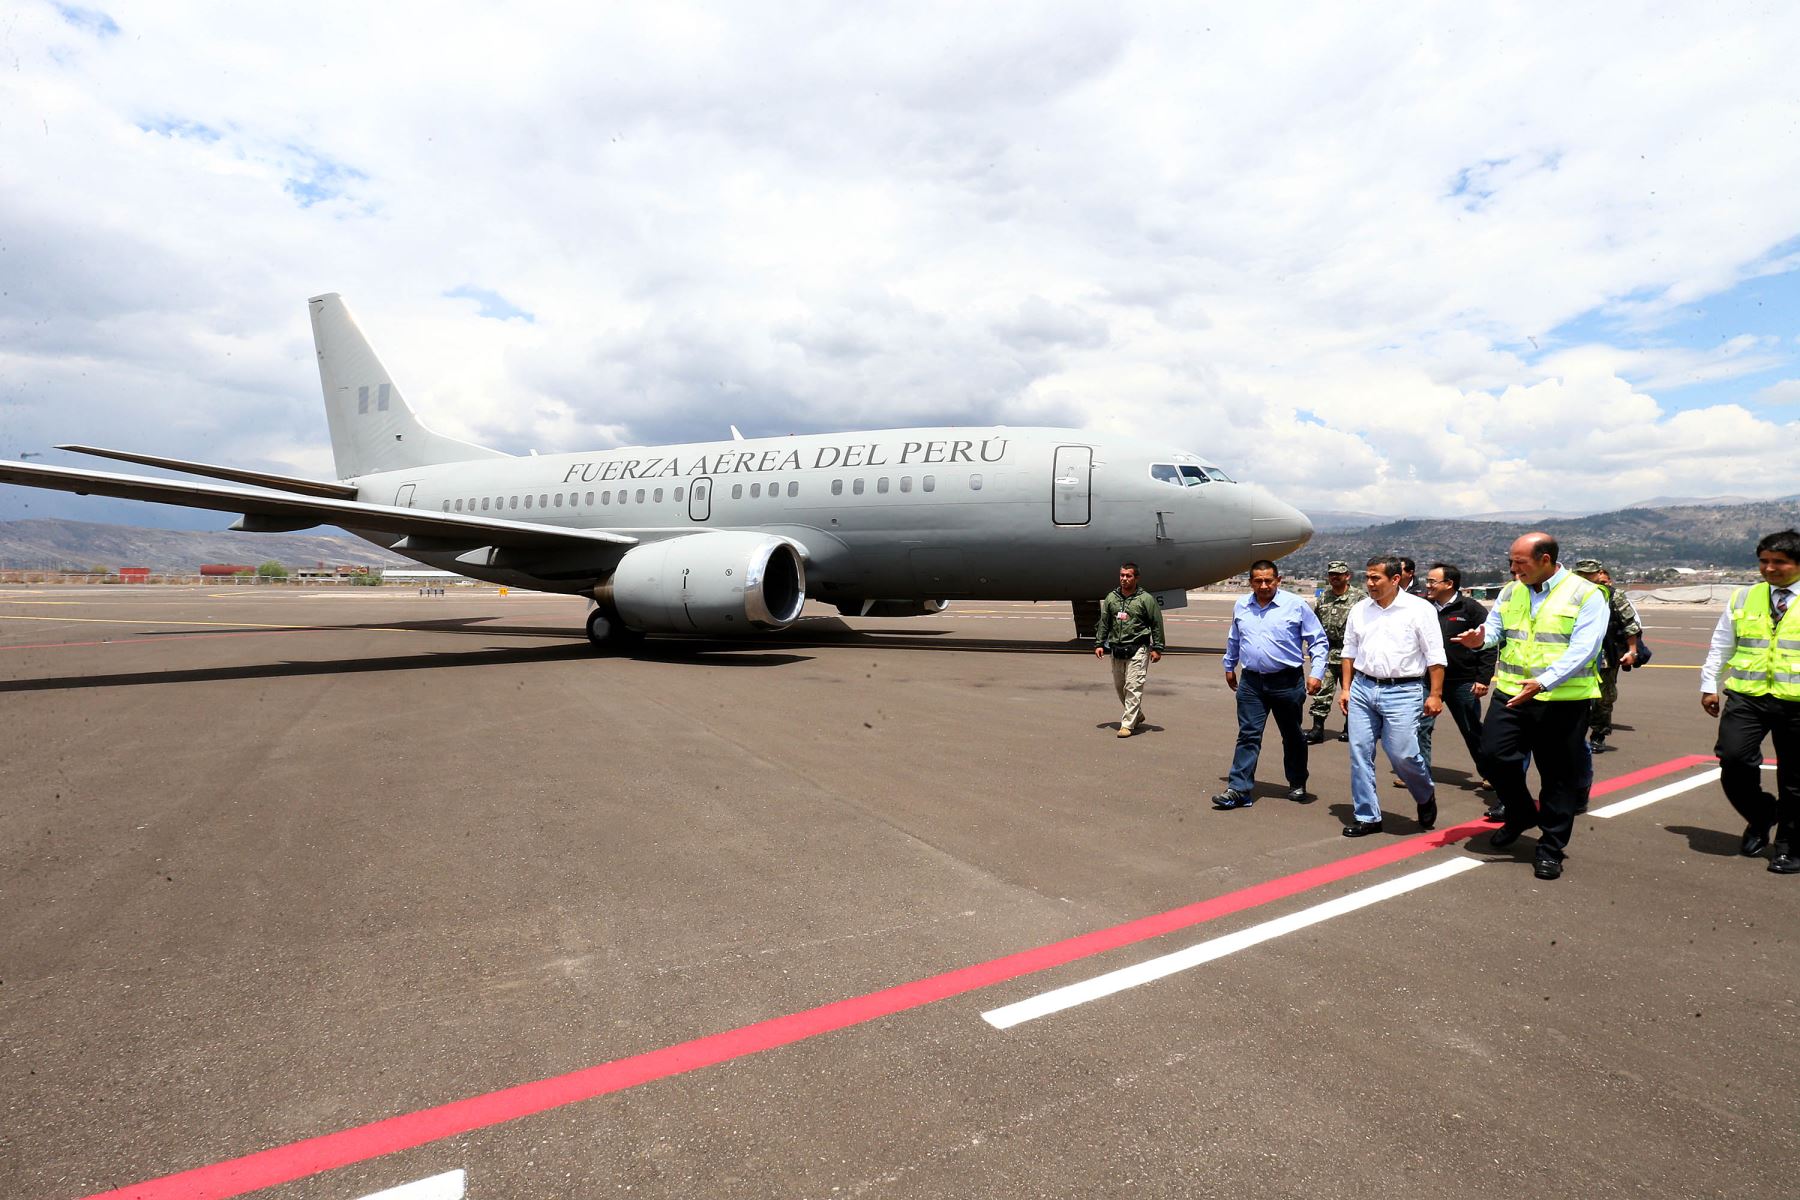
<point x="1455" y="260"/>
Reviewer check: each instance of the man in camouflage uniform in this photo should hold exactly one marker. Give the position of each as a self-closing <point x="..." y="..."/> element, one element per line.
<point x="1131" y="631"/>
<point x="1333" y="610"/>
<point x="1619" y="649"/>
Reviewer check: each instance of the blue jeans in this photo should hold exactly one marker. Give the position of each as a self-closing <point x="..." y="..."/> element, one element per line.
<point x="1281" y="694"/>
<point x="1388" y="714"/>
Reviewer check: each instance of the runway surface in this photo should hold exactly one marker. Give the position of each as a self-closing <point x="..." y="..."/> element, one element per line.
<point x="326" y="893"/>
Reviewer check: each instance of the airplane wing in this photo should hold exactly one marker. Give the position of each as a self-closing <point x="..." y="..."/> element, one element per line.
<point x="276" y="512"/>
<point x="284" y="483"/>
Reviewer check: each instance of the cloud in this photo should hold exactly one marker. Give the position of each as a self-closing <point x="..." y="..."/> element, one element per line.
<point x="1345" y="258"/>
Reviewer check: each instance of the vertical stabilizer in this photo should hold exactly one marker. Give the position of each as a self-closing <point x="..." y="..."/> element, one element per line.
<point x="372" y="429"/>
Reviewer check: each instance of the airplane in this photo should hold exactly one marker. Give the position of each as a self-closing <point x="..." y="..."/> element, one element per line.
<point x="731" y="537"/>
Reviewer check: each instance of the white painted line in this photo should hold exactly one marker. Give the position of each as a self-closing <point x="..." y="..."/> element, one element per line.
<point x="1661" y="793"/>
<point x="1181" y="960"/>
<point x="448" y="1186"/>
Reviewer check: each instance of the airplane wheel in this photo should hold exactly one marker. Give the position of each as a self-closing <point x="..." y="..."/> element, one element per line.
<point x="610" y="634"/>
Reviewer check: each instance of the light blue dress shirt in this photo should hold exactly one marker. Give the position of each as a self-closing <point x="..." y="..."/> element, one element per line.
<point x="1584" y="639"/>
<point x="1273" y="638"/>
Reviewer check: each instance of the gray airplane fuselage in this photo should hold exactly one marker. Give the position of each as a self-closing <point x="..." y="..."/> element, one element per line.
<point x="946" y="513"/>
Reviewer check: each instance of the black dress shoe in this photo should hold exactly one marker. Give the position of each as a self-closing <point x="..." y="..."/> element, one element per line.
<point x="1228" y="799"/>
<point x="1362" y="828"/>
<point x="1785" y="864"/>
<point x="1343" y="735"/>
<point x="1495" y="812"/>
<point x="1296" y="794"/>
<point x="1428" y="814"/>
<point x="1756" y="840"/>
<point x="1547" y="868"/>
<point x="1505" y="836"/>
<point x="1315" y="735"/>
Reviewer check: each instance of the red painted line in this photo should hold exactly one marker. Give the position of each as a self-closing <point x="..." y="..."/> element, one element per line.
<point x="297" y="1160"/>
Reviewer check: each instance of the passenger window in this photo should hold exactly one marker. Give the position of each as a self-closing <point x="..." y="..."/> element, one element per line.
<point x="699" y="493"/>
<point x="856" y="486"/>
<point x="774" y="491"/>
<point x="1193" y="476"/>
<point x="640" y="495"/>
<point x="755" y="491"/>
<point x="737" y="491"/>
<point x="929" y="483"/>
<point x="658" y="496"/>
<point x="528" y="502"/>
<point x="974" y="483"/>
<point x="606" y="497"/>
<point x="459" y="506"/>
<point x="881" y="485"/>
<point x="837" y="487"/>
<point x="512" y="502"/>
<point x="1165" y="473"/>
<point x="793" y="488"/>
<point x="446" y="506"/>
<point x="544" y="501"/>
<point x="484" y="504"/>
<point x="678" y="495"/>
<point x="906" y="483"/>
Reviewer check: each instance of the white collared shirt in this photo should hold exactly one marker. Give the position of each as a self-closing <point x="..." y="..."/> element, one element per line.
<point x="1401" y="640"/>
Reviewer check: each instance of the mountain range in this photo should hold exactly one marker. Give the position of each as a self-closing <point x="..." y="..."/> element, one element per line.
<point x="53" y="544"/>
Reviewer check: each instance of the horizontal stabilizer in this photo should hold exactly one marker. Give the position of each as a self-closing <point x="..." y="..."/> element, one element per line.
<point x="285" y="483"/>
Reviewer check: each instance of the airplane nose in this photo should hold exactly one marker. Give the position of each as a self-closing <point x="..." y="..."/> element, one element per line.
<point x="1276" y="528"/>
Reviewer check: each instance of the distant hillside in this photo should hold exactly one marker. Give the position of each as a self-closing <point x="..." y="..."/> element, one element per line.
<point x="79" y="545"/>
<point x="1635" y="539"/>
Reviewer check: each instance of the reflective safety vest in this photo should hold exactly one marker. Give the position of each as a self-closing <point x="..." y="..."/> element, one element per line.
<point x="1533" y="643"/>
<point x="1767" y="660"/>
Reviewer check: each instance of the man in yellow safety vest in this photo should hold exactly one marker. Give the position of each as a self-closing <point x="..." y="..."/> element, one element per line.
<point x="1549" y="625"/>
<point x="1755" y="662"/>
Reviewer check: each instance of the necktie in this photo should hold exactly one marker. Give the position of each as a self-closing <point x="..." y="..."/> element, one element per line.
<point x="1779" y="600"/>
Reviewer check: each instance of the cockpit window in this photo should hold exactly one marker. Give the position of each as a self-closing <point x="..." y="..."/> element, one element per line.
<point x="1165" y="473"/>
<point x="1193" y="476"/>
<point x="1219" y="475"/>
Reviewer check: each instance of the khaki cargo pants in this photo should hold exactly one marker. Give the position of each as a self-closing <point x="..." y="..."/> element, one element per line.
<point x="1128" y="679"/>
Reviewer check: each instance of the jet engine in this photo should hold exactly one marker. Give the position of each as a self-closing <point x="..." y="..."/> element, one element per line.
<point x="892" y="608"/>
<point x="718" y="582"/>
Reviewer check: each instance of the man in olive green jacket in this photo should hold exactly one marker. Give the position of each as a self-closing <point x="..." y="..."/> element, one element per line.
<point x="1131" y="631"/>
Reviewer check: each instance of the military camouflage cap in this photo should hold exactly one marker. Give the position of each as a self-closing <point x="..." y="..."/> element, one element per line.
<point x="1587" y="566"/>
<point x="1337" y="566"/>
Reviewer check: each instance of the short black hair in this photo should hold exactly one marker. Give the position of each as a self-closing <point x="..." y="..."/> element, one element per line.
<point x="1263" y="564"/>
<point x="1406" y="564"/>
<point x="1546" y="545"/>
<point x="1132" y="566"/>
<point x="1452" y="573"/>
<point x="1787" y="542"/>
<point x="1389" y="564"/>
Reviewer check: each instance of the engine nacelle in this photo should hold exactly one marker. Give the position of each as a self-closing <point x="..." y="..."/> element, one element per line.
<point x="892" y="608"/>
<point x="714" y="582"/>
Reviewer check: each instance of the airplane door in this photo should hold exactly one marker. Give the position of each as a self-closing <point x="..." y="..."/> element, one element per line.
<point x="405" y="498"/>
<point x="1070" y="489"/>
<point x="700" y="499"/>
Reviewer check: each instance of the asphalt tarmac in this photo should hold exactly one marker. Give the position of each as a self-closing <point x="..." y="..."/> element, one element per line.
<point x="330" y="892"/>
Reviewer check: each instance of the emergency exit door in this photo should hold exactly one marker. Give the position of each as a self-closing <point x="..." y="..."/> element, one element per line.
<point x="1071" y="485"/>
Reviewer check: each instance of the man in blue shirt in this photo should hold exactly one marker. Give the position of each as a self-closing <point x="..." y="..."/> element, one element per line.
<point x="1274" y="659"/>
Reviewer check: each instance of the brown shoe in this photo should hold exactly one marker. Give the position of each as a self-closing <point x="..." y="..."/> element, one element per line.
<point x="1397" y="783"/>
<point x="1124" y="731"/>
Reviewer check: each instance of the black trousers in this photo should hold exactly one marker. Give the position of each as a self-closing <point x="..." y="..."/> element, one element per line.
<point x="1743" y="725"/>
<point x="1551" y="733"/>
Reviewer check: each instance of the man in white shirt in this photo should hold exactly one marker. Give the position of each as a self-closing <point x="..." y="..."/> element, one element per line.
<point x="1755" y="662"/>
<point x="1393" y="644"/>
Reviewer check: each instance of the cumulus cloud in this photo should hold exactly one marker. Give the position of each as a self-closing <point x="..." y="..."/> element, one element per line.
<point x="1340" y="256"/>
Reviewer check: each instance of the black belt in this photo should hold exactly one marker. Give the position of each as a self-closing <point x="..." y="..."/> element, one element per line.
<point x="1392" y="682"/>
<point x="1281" y="671"/>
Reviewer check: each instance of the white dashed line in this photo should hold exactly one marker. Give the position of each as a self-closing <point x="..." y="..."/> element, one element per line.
<point x="1655" y="794"/>
<point x="448" y="1186"/>
<point x="1169" y="964"/>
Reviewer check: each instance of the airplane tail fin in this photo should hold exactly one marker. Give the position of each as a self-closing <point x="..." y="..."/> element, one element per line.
<point x="372" y="429"/>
